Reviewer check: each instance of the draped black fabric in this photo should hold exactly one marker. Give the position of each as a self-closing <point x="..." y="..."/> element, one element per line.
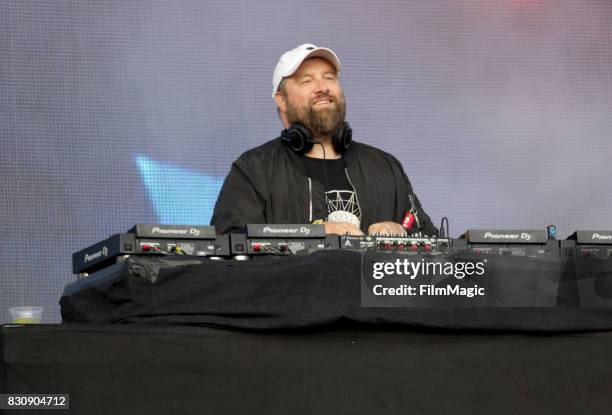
<point x="134" y="369"/>
<point x="324" y="288"/>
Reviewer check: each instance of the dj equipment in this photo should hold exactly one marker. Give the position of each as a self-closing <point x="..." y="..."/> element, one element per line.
<point x="588" y="244"/>
<point x="395" y="244"/>
<point x="535" y="243"/>
<point x="151" y="240"/>
<point x="281" y="239"/>
<point x="289" y="239"/>
<point x="299" y="138"/>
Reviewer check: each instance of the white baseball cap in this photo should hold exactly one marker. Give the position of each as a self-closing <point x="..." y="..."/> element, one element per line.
<point x="292" y="59"/>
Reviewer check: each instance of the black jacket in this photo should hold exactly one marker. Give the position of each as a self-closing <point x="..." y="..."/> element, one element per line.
<point x="268" y="184"/>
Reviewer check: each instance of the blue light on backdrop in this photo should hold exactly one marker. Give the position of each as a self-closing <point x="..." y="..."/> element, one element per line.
<point x="179" y="196"/>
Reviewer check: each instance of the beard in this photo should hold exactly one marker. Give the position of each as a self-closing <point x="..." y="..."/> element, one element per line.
<point x="327" y="122"/>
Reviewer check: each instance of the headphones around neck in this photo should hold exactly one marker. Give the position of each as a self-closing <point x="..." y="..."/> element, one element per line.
<point x="300" y="139"/>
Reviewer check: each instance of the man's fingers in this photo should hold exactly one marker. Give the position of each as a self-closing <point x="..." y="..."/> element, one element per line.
<point x="381" y="228"/>
<point x="350" y="229"/>
<point x="387" y="228"/>
<point x="341" y="228"/>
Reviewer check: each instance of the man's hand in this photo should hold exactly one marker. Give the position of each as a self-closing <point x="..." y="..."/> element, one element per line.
<point x="342" y="228"/>
<point x="387" y="228"/>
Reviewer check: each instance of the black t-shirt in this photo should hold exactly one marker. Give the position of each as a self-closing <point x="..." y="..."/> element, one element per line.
<point x="341" y="199"/>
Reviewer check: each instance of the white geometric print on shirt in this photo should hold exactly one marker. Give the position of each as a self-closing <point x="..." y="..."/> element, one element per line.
<point x="343" y="207"/>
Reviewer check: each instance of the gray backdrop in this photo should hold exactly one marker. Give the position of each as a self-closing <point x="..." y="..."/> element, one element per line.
<point x="121" y="112"/>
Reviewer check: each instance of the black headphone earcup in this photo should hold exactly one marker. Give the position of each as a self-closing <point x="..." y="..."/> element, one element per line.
<point x="347" y="136"/>
<point x="298" y="138"/>
<point x="343" y="138"/>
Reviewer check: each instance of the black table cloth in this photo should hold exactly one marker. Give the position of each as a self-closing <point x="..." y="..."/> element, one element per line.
<point x="134" y="369"/>
<point x="324" y="288"/>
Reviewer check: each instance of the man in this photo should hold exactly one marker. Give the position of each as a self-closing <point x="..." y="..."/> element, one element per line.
<point x="314" y="172"/>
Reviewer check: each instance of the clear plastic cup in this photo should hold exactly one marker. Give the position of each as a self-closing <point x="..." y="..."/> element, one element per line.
<point x="26" y="315"/>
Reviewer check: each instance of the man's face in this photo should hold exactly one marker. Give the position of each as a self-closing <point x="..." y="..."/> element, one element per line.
<point x="313" y="96"/>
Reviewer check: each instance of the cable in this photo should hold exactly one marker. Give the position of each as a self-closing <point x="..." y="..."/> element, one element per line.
<point x="447" y="231"/>
<point x="326" y="180"/>
<point x="275" y="251"/>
